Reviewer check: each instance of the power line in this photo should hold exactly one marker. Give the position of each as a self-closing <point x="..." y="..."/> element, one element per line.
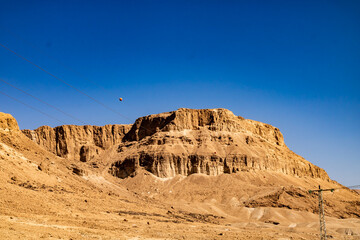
<point x="69" y="85"/>
<point x="51" y="57"/>
<point x="321" y="206"/>
<point x="66" y="83"/>
<point x="333" y="189"/>
<point x="42" y="101"/>
<point x="35" y="109"/>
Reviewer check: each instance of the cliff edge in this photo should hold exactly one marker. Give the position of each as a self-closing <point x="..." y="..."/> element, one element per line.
<point x="208" y="141"/>
<point x="78" y="142"/>
<point x="185" y="141"/>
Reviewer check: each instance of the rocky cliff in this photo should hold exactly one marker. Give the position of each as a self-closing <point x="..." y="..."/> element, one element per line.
<point x="208" y="141"/>
<point x="185" y="141"/>
<point x="78" y="142"/>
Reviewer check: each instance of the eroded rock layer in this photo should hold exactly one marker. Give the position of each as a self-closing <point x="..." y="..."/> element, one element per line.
<point x="185" y="141"/>
<point x="8" y="122"/>
<point x="78" y="142"/>
<point x="209" y="141"/>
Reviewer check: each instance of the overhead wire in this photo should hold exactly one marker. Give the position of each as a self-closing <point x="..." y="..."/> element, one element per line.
<point x="345" y="187"/>
<point x="332" y="189"/>
<point x="353" y="187"/>
<point x="33" y="108"/>
<point x="69" y="85"/>
<point x="42" y="101"/>
<point x="64" y="82"/>
<point x="52" y="57"/>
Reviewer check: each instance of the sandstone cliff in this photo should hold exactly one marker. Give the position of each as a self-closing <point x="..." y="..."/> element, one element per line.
<point x="78" y="142"/>
<point x="209" y="141"/>
<point x="185" y="141"/>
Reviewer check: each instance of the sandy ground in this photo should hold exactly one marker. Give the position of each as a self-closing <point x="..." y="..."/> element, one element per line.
<point x="99" y="210"/>
<point x="46" y="197"/>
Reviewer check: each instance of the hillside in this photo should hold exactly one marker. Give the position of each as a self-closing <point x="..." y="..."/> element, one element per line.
<point x="187" y="174"/>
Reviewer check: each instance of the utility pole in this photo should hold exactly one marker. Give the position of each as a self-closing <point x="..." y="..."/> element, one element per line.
<point x="321" y="211"/>
<point x="321" y="207"/>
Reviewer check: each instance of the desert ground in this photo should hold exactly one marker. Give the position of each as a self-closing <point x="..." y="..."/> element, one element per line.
<point x="44" y="196"/>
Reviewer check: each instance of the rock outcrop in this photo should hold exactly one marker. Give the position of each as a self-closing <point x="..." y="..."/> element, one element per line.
<point x="78" y="142"/>
<point x="8" y="122"/>
<point x="215" y="120"/>
<point x="208" y="141"/>
<point x="185" y="141"/>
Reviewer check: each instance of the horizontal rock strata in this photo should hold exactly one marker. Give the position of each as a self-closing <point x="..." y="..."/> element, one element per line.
<point x="185" y="141"/>
<point x="208" y="141"/>
<point x="78" y="142"/>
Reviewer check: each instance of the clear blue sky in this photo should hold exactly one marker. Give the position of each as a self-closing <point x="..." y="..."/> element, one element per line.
<point x="292" y="64"/>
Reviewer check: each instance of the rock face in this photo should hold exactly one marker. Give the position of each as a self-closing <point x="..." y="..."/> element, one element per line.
<point x="185" y="141"/>
<point x="209" y="141"/>
<point x="78" y="142"/>
<point x="8" y="122"/>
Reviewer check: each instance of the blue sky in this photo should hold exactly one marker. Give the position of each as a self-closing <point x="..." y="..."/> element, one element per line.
<point x="292" y="64"/>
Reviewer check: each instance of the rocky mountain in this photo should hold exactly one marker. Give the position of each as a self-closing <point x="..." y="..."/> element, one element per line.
<point x="185" y="141"/>
<point x="231" y="176"/>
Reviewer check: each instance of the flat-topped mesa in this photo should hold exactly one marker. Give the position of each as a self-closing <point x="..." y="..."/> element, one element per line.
<point x="185" y="141"/>
<point x="201" y="119"/>
<point x="208" y="141"/>
<point x="78" y="142"/>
